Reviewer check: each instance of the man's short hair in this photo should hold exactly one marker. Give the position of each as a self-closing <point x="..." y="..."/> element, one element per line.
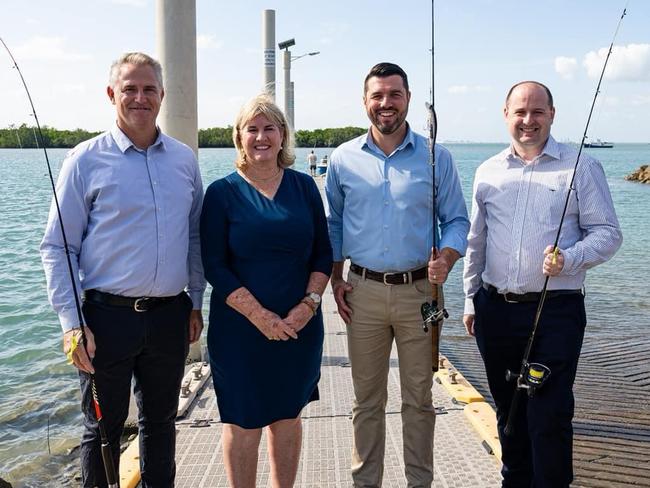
<point x="139" y="59"/>
<point x="548" y="92"/>
<point x="383" y="70"/>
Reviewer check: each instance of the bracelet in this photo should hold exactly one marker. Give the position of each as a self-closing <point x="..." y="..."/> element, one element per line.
<point x="310" y="304"/>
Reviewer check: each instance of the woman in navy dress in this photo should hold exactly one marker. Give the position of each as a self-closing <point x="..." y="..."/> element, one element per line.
<point x="267" y="255"/>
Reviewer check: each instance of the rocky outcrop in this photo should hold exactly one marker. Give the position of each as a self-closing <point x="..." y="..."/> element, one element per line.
<point x="642" y="175"/>
<point x="4" y="484"/>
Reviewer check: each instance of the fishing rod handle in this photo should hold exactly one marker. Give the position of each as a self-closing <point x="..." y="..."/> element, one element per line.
<point x="514" y="406"/>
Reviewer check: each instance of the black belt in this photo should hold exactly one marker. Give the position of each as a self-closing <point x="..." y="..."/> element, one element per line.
<point x="390" y="278"/>
<point x="139" y="304"/>
<point x="532" y="296"/>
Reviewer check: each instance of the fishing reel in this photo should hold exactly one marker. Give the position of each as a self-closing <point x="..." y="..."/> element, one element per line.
<point x="431" y="314"/>
<point x="532" y="377"/>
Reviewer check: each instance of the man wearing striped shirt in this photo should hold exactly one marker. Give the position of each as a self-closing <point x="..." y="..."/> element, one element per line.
<point x="517" y="204"/>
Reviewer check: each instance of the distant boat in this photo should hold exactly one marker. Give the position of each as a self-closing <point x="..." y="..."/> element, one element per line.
<point x="599" y="144"/>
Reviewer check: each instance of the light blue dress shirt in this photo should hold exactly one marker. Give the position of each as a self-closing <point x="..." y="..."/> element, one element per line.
<point x="380" y="208"/>
<point x="131" y="218"/>
<point x="516" y="211"/>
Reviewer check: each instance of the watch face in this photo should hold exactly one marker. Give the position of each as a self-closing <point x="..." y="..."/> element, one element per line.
<point x="315" y="297"/>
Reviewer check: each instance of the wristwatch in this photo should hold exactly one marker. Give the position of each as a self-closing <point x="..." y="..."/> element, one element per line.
<point x="314" y="297"/>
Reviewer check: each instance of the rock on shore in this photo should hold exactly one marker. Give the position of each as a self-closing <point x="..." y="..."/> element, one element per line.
<point x="642" y="175"/>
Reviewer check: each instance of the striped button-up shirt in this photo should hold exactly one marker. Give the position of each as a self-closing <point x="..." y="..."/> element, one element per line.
<point x="131" y="218"/>
<point x="516" y="211"/>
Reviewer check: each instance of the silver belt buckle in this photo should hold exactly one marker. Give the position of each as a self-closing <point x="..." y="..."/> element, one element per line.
<point x="505" y="297"/>
<point x="137" y="305"/>
<point x="385" y="282"/>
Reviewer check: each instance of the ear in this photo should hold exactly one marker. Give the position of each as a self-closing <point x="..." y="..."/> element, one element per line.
<point x="162" y="94"/>
<point x="111" y="94"/>
<point x="552" y="114"/>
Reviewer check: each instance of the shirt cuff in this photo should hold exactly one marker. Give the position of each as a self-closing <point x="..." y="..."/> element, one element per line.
<point x="569" y="263"/>
<point x="469" y="307"/>
<point x="197" y="299"/>
<point x="69" y="319"/>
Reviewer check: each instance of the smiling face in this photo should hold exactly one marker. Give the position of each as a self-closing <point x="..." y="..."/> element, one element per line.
<point x="387" y="103"/>
<point x="137" y="96"/>
<point x="529" y="117"/>
<point x="261" y="140"/>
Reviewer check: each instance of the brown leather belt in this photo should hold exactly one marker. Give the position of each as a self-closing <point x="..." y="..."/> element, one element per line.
<point x="139" y="304"/>
<point x="529" y="297"/>
<point x="390" y="278"/>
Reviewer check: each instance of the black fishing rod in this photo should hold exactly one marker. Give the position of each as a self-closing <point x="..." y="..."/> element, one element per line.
<point x="432" y="316"/>
<point x="107" y="455"/>
<point x="533" y="375"/>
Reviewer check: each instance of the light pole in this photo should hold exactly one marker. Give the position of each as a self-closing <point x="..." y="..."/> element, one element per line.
<point x="286" y="64"/>
<point x="288" y="84"/>
<point x="291" y="113"/>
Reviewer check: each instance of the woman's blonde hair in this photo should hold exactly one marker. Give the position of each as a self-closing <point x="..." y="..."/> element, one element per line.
<point x="263" y="105"/>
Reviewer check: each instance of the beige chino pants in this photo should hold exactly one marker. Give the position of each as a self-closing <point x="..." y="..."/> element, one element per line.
<point x="379" y="314"/>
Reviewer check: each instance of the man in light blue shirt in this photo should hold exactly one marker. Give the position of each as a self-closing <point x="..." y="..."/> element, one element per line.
<point x="379" y="192"/>
<point x="130" y="201"/>
<point x="517" y="204"/>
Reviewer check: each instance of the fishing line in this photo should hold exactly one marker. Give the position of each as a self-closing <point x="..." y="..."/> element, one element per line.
<point x="532" y="375"/>
<point x="107" y="456"/>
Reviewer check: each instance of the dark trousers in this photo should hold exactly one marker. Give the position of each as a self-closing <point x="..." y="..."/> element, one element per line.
<point x="539" y="452"/>
<point x="151" y="348"/>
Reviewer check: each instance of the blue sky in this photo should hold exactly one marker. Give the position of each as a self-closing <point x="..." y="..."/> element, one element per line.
<point x="482" y="47"/>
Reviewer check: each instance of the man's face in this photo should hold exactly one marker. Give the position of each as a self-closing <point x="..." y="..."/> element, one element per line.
<point x="387" y="103"/>
<point x="529" y="117"/>
<point x="137" y="97"/>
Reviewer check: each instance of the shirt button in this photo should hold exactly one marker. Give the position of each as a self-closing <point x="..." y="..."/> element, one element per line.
<point x="385" y="202"/>
<point x="385" y="227"/>
<point x="385" y="249"/>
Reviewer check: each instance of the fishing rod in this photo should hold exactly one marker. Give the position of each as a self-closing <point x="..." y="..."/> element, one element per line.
<point x="533" y="375"/>
<point x="107" y="455"/>
<point x="432" y="316"/>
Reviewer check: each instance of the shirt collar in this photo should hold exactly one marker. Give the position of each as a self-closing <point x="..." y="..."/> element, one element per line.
<point x="123" y="141"/>
<point x="409" y="139"/>
<point x="551" y="149"/>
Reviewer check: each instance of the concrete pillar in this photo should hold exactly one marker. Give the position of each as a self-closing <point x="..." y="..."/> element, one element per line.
<point x="176" y="46"/>
<point x="268" y="45"/>
<point x="286" y="63"/>
<point x="292" y="119"/>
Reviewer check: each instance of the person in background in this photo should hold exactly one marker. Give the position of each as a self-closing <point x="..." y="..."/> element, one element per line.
<point x="378" y="189"/>
<point x="311" y="159"/>
<point x="131" y="202"/>
<point x="267" y="255"/>
<point x="517" y="203"/>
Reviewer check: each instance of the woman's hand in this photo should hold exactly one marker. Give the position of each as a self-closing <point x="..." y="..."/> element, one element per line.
<point x="272" y="326"/>
<point x="299" y="316"/>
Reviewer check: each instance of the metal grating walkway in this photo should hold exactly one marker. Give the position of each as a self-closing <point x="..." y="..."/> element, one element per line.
<point x="460" y="460"/>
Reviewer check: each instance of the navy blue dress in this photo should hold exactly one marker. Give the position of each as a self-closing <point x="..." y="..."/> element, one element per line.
<point x="269" y="247"/>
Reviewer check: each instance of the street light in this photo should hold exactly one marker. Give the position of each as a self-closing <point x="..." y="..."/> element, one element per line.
<point x="288" y="85"/>
<point x="291" y="89"/>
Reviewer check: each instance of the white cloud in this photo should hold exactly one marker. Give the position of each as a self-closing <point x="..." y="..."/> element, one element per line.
<point x="47" y="49"/>
<point x="208" y="41"/>
<point x="463" y="89"/>
<point x="566" y="67"/>
<point x="641" y="100"/>
<point x="626" y="63"/>
<point x="70" y="89"/>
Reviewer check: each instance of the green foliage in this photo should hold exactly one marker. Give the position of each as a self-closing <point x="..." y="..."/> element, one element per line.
<point x="327" y="137"/>
<point x="25" y="136"/>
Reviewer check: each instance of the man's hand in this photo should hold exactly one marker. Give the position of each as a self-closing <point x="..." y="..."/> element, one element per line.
<point x="340" y="288"/>
<point x="79" y="357"/>
<point x="195" y="326"/>
<point x="438" y="267"/>
<point x="550" y="268"/>
<point x="468" y="320"/>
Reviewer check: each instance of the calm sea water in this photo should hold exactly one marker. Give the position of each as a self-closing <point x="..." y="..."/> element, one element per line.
<point x="39" y="412"/>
